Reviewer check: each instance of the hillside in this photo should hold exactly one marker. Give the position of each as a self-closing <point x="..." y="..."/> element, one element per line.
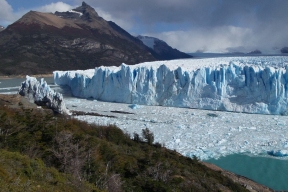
<point x="40" y="43"/>
<point x="161" y="50"/>
<point x="90" y="157"/>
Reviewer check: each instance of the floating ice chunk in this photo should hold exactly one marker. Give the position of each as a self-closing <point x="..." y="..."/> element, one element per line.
<point x="278" y="153"/>
<point x="221" y="141"/>
<point x="177" y="140"/>
<point x="135" y="106"/>
<point x="181" y="126"/>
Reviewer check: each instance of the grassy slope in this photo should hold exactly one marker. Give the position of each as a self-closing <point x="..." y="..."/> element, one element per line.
<point x="78" y="153"/>
<point x="21" y="173"/>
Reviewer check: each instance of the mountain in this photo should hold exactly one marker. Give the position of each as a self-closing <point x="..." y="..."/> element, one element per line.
<point x="284" y="50"/>
<point x="161" y="50"/>
<point x="1" y="28"/>
<point x="40" y="43"/>
<point x="256" y="51"/>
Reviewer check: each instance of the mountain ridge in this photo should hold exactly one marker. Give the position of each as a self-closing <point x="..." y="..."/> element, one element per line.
<point x="161" y="50"/>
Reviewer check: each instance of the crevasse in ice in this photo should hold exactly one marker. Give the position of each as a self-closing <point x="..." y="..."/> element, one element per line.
<point x="241" y="84"/>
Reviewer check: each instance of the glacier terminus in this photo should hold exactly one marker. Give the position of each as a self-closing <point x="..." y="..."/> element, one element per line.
<point x="238" y="84"/>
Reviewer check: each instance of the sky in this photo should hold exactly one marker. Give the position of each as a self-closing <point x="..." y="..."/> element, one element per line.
<point x="188" y="25"/>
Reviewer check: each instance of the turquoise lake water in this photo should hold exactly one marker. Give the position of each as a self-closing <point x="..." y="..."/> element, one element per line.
<point x="270" y="172"/>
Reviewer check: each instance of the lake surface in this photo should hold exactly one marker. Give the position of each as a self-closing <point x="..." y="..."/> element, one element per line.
<point x="268" y="171"/>
<point x="11" y="85"/>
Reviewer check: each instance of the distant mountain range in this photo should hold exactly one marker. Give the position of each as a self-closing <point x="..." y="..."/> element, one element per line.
<point x="161" y="50"/>
<point x="1" y="28"/>
<point x="40" y="43"/>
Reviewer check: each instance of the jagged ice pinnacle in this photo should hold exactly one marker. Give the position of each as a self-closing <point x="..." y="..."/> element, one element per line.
<point x="41" y="94"/>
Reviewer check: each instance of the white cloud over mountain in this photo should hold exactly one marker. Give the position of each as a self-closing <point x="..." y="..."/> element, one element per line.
<point x="59" y="6"/>
<point x="8" y="15"/>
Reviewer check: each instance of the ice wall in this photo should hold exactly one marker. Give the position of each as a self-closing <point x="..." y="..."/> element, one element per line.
<point x="250" y="84"/>
<point x="41" y="94"/>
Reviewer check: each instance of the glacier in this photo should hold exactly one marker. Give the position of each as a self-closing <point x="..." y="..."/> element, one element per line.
<point x="239" y="84"/>
<point x="41" y="94"/>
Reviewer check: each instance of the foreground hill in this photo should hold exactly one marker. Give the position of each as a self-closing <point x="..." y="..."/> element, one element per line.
<point x="161" y="50"/>
<point x="89" y="157"/>
<point x="79" y="39"/>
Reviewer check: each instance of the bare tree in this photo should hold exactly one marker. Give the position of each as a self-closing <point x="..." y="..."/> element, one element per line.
<point x="158" y="172"/>
<point x="69" y="153"/>
<point x="77" y="161"/>
<point x="114" y="183"/>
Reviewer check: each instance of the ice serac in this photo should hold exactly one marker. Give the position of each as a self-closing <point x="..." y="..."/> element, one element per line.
<point x="41" y="94"/>
<point x="240" y="84"/>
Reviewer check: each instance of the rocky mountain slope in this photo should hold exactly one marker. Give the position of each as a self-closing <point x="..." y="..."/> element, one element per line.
<point x="1" y="28"/>
<point x="40" y="43"/>
<point x="161" y="50"/>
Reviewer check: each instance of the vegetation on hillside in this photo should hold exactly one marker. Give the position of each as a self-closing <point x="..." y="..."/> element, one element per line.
<point x="44" y="152"/>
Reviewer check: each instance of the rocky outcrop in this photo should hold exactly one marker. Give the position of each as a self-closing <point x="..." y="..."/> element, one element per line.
<point x="41" y="94"/>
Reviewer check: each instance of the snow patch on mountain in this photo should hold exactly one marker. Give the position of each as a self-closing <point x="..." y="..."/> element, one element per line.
<point x="240" y="84"/>
<point x="148" y="41"/>
<point x="80" y="14"/>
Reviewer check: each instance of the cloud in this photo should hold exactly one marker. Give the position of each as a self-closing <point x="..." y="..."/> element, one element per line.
<point x="124" y="23"/>
<point x="212" y="25"/>
<point x="215" y="40"/>
<point x="53" y="7"/>
<point x="206" y="23"/>
<point x="6" y="13"/>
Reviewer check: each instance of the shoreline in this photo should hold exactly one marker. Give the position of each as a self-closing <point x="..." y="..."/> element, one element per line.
<point x="249" y="184"/>
<point x="24" y="76"/>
